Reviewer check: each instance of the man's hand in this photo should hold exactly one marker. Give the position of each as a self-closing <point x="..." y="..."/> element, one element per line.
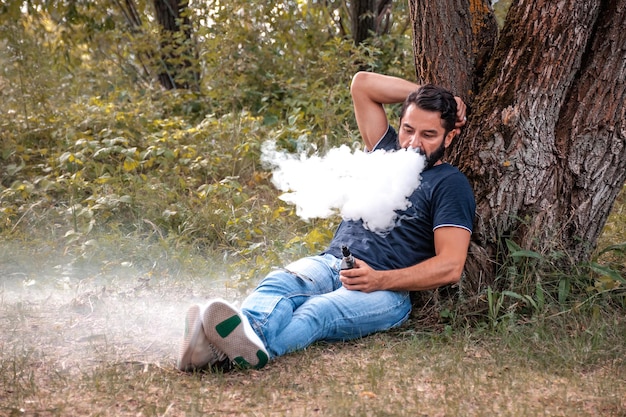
<point x="361" y="278"/>
<point x="461" y="115"/>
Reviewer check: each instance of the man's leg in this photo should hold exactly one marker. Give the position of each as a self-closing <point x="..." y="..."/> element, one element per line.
<point x="271" y="306"/>
<point x="341" y="315"/>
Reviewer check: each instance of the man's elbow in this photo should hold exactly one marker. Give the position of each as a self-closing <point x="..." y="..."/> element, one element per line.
<point x="359" y="82"/>
<point x="456" y="271"/>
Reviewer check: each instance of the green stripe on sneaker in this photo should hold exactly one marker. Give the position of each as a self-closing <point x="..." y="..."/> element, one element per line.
<point x="227" y="326"/>
<point x="242" y="363"/>
<point x="262" y="359"/>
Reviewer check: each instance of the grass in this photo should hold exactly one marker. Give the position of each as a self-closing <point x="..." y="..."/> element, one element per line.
<point x="101" y="341"/>
<point x="93" y="330"/>
<point x="389" y="374"/>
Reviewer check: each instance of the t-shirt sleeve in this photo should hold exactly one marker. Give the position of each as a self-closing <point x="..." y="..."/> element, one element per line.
<point x="389" y="141"/>
<point x="454" y="203"/>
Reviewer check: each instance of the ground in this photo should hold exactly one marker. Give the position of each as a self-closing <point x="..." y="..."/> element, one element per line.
<point x="103" y="341"/>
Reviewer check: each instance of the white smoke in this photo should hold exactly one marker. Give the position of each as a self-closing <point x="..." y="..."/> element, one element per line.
<point x="355" y="184"/>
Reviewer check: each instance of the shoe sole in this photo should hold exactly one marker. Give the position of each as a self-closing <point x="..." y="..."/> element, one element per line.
<point x="226" y="329"/>
<point x="193" y="329"/>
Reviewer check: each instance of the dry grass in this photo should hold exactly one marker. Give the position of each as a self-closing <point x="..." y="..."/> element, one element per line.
<point x="104" y="345"/>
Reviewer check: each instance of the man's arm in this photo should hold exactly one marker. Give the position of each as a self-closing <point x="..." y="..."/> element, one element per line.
<point x="446" y="267"/>
<point x="369" y="92"/>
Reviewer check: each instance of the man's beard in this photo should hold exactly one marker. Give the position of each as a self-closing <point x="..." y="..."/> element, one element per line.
<point x="435" y="155"/>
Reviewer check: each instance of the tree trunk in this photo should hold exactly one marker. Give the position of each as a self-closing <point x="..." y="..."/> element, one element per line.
<point x="545" y="148"/>
<point x="128" y="8"/>
<point x="369" y="16"/>
<point x="590" y="134"/>
<point x="453" y="40"/>
<point x="177" y="52"/>
<point x="362" y="19"/>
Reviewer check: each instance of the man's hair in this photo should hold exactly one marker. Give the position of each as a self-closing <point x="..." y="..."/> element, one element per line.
<point x="433" y="98"/>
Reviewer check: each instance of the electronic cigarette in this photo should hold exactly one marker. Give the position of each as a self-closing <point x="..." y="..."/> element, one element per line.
<point x="347" y="262"/>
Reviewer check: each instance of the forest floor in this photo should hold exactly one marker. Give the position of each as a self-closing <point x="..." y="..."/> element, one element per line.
<point x="103" y="342"/>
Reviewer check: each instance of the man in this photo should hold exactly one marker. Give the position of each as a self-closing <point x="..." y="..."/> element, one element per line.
<point x="313" y="299"/>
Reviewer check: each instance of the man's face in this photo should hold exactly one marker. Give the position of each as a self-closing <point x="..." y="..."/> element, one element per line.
<point x="422" y="130"/>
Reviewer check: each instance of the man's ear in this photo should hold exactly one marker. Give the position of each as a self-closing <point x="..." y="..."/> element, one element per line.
<point x="450" y="136"/>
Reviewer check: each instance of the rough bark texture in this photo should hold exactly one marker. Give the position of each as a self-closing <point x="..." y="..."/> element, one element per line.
<point x="453" y="40"/>
<point x="546" y="145"/>
<point x="591" y="132"/>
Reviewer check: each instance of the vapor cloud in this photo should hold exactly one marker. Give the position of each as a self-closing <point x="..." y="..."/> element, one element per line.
<point x="355" y="184"/>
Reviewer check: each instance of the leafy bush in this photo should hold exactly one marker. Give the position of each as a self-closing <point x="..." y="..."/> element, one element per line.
<point x="92" y="146"/>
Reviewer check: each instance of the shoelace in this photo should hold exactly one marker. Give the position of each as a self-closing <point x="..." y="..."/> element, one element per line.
<point x="218" y="353"/>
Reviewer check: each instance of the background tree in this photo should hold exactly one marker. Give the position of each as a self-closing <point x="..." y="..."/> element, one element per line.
<point x="179" y="67"/>
<point x="173" y="60"/>
<point x="369" y="17"/>
<point x="545" y="148"/>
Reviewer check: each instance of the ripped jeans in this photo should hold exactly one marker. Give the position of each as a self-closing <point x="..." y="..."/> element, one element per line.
<point x="305" y="302"/>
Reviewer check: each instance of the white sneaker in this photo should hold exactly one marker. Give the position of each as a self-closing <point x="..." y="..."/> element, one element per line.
<point x="230" y="331"/>
<point x="196" y="352"/>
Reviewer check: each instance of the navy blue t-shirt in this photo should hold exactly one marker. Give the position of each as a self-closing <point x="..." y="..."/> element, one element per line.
<point x="443" y="198"/>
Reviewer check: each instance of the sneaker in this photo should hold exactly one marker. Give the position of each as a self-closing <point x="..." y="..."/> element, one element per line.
<point x="196" y="352"/>
<point x="231" y="332"/>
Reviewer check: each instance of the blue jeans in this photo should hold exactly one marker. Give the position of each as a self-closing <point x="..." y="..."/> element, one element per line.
<point x="305" y="302"/>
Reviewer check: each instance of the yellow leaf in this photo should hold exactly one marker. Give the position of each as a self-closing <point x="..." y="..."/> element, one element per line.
<point x="103" y="179"/>
<point x="130" y="164"/>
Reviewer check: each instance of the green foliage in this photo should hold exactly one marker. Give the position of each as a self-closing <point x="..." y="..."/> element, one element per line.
<point x="93" y="146"/>
<point x="501" y="7"/>
<point x="531" y="285"/>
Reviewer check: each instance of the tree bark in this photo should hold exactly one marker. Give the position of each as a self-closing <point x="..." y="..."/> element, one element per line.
<point x="545" y="147"/>
<point x="128" y="8"/>
<point x="591" y="132"/>
<point x="453" y="40"/>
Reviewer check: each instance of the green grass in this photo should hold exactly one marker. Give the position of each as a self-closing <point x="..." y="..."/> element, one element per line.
<point x="92" y="328"/>
<point x="102" y="341"/>
<point x="394" y="374"/>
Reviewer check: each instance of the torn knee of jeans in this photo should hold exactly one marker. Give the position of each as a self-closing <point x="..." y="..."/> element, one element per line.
<point x="296" y="274"/>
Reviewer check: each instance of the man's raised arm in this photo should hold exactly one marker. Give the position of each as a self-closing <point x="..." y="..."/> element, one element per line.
<point x="369" y="92"/>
